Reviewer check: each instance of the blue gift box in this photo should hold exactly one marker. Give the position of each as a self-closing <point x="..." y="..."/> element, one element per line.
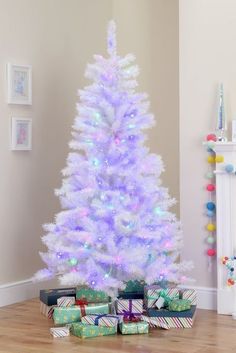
<point x="166" y="313"/>
<point x="50" y="296"/>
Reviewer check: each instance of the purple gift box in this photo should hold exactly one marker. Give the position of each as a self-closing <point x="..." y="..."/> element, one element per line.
<point x="129" y="307"/>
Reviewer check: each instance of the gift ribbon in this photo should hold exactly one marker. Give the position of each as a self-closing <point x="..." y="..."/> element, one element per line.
<point x="128" y="315"/>
<point x="163" y="294"/>
<point x="103" y="315"/>
<point x="82" y="303"/>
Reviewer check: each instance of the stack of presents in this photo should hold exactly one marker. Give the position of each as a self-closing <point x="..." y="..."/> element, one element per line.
<point x="84" y="312"/>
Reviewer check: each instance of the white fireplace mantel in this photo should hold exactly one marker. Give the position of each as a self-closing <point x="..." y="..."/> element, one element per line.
<point x="225" y="224"/>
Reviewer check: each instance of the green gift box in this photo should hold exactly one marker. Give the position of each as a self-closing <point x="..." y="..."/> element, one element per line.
<point x="66" y="315"/>
<point x="92" y="296"/>
<point x="86" y="331"/>
<point x="179" y="305"/>
<point x="132" y="328"/>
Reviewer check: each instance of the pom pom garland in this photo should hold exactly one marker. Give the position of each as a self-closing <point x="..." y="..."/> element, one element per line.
<point x="230" y="264"/>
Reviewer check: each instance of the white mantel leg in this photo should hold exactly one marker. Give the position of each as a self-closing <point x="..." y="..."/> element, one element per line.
<point x="226" y="225"/>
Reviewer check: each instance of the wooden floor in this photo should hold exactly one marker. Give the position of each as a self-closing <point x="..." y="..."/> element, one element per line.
<point x="23" y="329"/>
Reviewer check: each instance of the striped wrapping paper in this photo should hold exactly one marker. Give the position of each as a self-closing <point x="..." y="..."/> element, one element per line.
<point x="100" y="320"/>
<point x="151" y="294"/>
<point x="47" y="310"/>
<point x="127" y="307"/>
<point x="153" y="322"/>
<point x="189" y="294"/>
<point x="183" y="319"/>
<point x="60" y="331"/>
<point x="66" y="301"/>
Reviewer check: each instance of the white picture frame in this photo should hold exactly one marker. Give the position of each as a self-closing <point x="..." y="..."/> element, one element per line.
<point x="21" y="134"/>
<point x="19" y="84"/>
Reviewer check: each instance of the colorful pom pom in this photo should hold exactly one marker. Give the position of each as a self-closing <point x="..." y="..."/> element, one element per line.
<point x="210" y="145"/>
<point x="219" y="159"/>
<point x="211" y="227"/>
<point x="211" y="137"/>
<point x="210" y="175"/>
<point x="210" y="187"/>
<point x="210" y="206"/>
<point x="211" y="159"/>
<point x="211" y="240"/>
<point x="210" y="213"/>
<point x="211" y="252"/>
<point x="229" y="168"/>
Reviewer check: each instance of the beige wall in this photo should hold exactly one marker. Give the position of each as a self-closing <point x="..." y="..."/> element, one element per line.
<point x="149" y="29"/>
<point x="207" y="56"/>
<point x="58" y="38"/>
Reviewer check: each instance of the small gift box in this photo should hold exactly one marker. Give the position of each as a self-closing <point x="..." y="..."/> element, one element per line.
<point x="179" y="305"/>
<point x="189" y="294"/>
<point x="66" y="301"/>
<point x="84" y="331"/>
<point x="101" y="320"/>
<point x="174" y="319"/>
<point x="47" y="310"/>
<point x="60" y="331"/>
<point x="132" y="328"/>
<point x="50" y="296"/>
<point x="91" y="296"/>
<point x="65" y="315"/>
<point x="129" y="307"/>
<point x="133" y="290"/>
<point x="153" y="292"/>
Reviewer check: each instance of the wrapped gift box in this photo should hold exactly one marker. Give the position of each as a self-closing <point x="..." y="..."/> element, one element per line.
<point x="65" y="315"/>
<point x="152" y="293"/>
<point x="182" y="319"/>
<point x="47" y="310"/>
<point x="101" y="320"/>
<point x="60" y="331"/>
<point x="50" y="296"/>
<point x="66" y="301"/>
<point x="132" y="328"/>
<point x="133" y="290"/>
<point x="179" y="305"/>
<point x="131" y="295"/>
<point x="153" y="322"/>
<point x="84" y="331"/>
<point x="127" y="307"/>
<point x="91" y="296"/>
<point x="189" y="294"/>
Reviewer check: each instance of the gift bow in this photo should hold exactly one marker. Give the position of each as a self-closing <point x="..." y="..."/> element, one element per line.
<point x="164" y="295"/>
<point x="131" y="318"/>
<point x="128" y="315"/>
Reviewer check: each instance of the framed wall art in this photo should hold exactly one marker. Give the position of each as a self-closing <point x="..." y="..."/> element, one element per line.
<point x="21" y="134"/>
<point x="19" y="84"/>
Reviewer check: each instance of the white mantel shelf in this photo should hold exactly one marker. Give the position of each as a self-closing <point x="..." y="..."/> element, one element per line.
<point x="225" y="224"/>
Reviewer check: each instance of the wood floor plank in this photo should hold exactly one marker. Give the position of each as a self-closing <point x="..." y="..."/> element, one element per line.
<point x="24" y="330"/>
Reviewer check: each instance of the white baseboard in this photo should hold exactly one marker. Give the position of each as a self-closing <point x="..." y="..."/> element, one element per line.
<point x="15" y="292"/>
<point x="206" y="297"/>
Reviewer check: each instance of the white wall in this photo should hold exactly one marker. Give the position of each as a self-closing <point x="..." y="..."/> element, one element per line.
<point x="207" y="56"/>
